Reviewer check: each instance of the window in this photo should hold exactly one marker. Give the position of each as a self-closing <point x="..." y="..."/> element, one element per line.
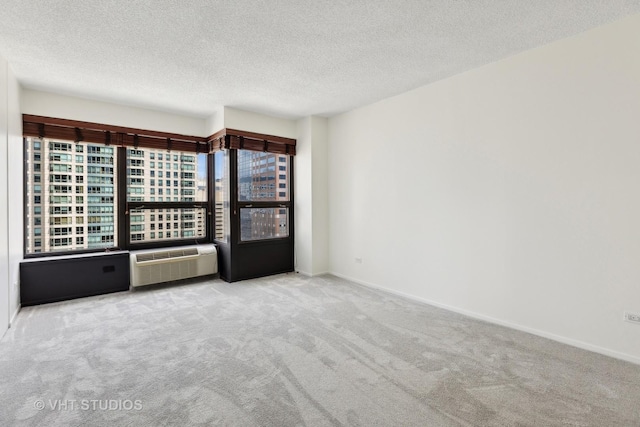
<point x="257" y="182"/>
<point x="142" y="220"/>
<point x="221" y="192"/>
<point x="63" y="199"/>
<point x="61" y="242"/>
<point x="263" y="223"/>
<point x="101" y="192"/>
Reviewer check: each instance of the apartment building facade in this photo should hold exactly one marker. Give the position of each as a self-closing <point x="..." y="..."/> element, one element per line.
<point x="72" y="195"/>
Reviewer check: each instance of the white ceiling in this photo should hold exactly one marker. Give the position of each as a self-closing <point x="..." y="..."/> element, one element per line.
<point x="289" y="58"/>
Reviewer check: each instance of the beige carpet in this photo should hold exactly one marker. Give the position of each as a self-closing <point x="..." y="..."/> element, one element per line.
<point x="293" y="351"/>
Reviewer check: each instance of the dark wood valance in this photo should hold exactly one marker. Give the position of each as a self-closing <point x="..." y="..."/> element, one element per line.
<point x="73" y="130"/>
<point x="243" y="140"/>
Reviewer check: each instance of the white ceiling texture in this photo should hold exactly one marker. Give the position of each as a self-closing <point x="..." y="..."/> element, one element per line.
<point x="289" y="58"/>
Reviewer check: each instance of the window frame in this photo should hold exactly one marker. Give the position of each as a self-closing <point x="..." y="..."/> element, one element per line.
<point x="275" y="204"/>
<point x="122" y="137"/>
<point x="122" y="207"/>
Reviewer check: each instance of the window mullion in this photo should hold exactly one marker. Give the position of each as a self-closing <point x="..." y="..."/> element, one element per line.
<point x="123" y="220"/>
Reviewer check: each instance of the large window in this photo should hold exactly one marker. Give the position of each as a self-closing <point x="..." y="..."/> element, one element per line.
<point x="167" y="194"/>
<point x="58" y="200"/>
<point x="263" y="195"/>
<point x="73" y="201"/>
<point x="97" y="187"/>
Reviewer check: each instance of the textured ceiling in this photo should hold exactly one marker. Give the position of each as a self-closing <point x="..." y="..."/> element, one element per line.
<point x="290" y="58"/>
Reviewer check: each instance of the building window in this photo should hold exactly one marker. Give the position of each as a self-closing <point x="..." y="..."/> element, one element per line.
<point x="257" y="181"/>
<point x="93" y="210"/>
<point x="147" y="189"/>
<point x="62" y="170"/>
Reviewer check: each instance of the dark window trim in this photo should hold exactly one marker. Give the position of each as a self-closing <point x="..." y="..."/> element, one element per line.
<point x="233" y="139"/>
<point x="122" y="208"/>
<point x="167" y="205"/>
<point x="123" y="137"/>
<point x="239" y="204"/>
<point x="99" y="133"/>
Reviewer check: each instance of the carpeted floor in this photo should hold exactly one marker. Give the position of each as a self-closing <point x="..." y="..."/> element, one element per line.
<point x="288" y="351"/>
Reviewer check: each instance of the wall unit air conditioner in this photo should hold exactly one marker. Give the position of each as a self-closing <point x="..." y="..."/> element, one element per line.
<point x="169" y="264"/>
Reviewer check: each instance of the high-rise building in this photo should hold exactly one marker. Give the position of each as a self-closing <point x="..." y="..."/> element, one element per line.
<point x="71" y="193"/>
<point x="162" y="176"/>
<point x="262" y="177"/>
<point x="70" y="196"/>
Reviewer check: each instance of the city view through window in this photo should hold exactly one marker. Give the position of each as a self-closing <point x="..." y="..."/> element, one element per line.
<point x="263" y="195"/>
<point x="72" y="195"/>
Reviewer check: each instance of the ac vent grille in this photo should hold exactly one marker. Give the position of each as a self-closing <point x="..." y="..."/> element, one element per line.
<point x="155" y="266"/>
<point x="149" y="257"/>
<point x="181" y="253"/>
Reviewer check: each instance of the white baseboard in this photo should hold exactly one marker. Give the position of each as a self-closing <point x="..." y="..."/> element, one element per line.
<point x="305" y="273"/>
<point x="13" y="318"/>
<point x="570" y="341"/>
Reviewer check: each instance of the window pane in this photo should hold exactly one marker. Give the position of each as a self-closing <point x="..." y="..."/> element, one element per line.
<point x="221" y="208"/>
<point x="53" y="215"/>
<point x="183" y="224"/>
<point x="191" y="174"/>
<point x="263" y="223"/>
<point x="262" y="176"/>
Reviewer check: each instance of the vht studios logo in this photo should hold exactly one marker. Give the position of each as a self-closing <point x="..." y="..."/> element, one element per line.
<point x="88" y="405"/>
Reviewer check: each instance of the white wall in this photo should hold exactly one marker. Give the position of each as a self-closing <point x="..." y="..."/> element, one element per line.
<point x="4" y="211"/>
<point x="320" y="194"/>
<point x="215" y="122"/>
<point x="311" y="197"/>
<point x="303" y="202"/>
<point x="15" y="194"/>
<point x="73" y="108"/>
<point x="509" y="192"/>
<point x="260" y="123"/>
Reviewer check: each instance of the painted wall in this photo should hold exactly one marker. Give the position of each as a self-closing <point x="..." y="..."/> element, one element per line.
<point x="320" y="194"/>
<point x="15" y="176"/>
<point x="303" y="202"/>
<point x="4" y="200"/>
<point x="311" y="202"/>
<point x="509" y="192"/>
<point x="74" y="108"/>
<point x="215" y="122"/>
<point x="254" y="122"/>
